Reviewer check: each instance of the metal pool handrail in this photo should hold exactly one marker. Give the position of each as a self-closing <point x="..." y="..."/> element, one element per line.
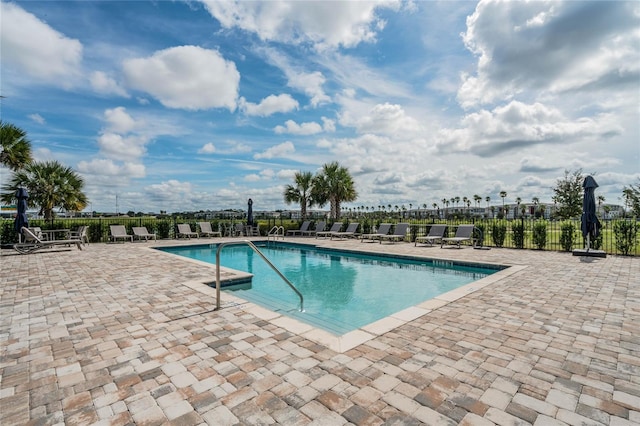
<point x="253" y="246"/>
<point x="275" y="232"/>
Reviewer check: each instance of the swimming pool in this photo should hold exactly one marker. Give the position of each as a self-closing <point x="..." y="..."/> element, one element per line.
<point x="343" y="290"/>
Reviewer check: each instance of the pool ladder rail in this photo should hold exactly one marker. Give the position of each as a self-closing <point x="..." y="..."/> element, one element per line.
<point x="275" y="232"/>
<point x="255" y="249"/>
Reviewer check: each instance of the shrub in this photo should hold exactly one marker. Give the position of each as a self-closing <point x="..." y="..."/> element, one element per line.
<point x="567" y="236"/>
<point x="481" y="233"/>
<point x="625" y="232"/>
<point x="498" y="233"/>
<point x="164" y="227"/>
<point x="518" y="234"/>
<point x="413" y="232"/>
<point x="540" y="234"/>
<point x="95" y="232"/>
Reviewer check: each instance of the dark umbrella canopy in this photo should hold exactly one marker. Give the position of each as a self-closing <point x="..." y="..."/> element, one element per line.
<point x="250" y="213"/>
<point x="21" y="217"/>
<point x="590" y="223"/>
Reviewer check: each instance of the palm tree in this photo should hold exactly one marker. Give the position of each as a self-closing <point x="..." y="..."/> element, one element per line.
<point x="15" y="148"/>
<point x="477" y="199"/>
<point x="503" y="195"/>
<point x="334" y="184"/>
<point x="301" y="192"/>
<point x="518" y="201"/>
<point x="50" y="184"/>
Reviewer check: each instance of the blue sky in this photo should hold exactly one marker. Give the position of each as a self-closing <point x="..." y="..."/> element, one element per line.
<point x="173" y="105"/>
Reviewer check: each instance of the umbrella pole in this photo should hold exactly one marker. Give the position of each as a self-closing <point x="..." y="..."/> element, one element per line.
<point x="588" y="242"/>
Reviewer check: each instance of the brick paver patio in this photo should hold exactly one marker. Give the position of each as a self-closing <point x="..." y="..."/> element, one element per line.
<point x="120" y="334"/>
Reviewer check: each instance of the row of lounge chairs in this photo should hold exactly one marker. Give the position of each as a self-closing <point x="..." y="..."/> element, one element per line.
<point x="464" y="233"/>
<point x="119" y="232"/>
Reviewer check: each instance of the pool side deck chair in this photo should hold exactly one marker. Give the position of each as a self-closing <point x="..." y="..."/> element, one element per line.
<point x="382" y="230"/>
<point x="141" y="232"/>
<point x="436" y="233"/>
<point x="184" y="230"/>
<point x="336" y="227"/>
<point x="319" y="228"/>
<point x="35" y="243"/>
<point x="205" y="229"/>
<point x="119" y="232"/>
<point x="399" y="233"/>
<point x="303" y="228"/>
<point x="463" y="233"/>
<point x="349" y="233"/>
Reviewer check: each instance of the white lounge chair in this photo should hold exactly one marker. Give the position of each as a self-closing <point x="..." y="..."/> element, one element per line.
<point x="80" y="234"/>
<point x="350" y="232"/>
<point x="303" y="228"/>
<point x="463" y="233"/>
<point x="205" y="229"/>
<point x="436" y="233"/>
<point x="399" y="233"/>
<point x="336" y="227"/>
<point x="34" y="243"/>
<point x="382" y="230"/>
<point x="141" y="232"/>
<point x="119" y="232"/>
<point x="319" y="228"/>
<point x="184" y="230"/>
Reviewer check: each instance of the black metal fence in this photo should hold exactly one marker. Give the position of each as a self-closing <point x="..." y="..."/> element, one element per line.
<point x="621" y="236"/>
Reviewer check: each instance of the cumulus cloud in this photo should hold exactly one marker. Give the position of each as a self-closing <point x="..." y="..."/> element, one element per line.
<point x="324" y="24"/>
<point x="381" y="119"/>
<point x="207" y="148"/>
<point x="169" y="190"/>
<point x="118" y="120"/>
<point x="292" y="127"/>
<point x="110" y="169"/>
<point x="270" y="105"/>
<point x="280" y="150"/>
<point x="186" y="77"/>
<point x="118" y="147"/>
<point x="550" y="46"/>
<point x="104" y="84"/>
<point x="32" y="47"/>
<point x="518" y="126"/>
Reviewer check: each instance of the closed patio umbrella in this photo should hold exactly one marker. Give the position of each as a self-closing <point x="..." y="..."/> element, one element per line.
<point x="250" y="212"/>
<point x="21" y="218"/>
<point x="590" y="225"/>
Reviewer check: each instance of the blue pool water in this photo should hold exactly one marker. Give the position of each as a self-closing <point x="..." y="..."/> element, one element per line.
<point x="342" y="290"/>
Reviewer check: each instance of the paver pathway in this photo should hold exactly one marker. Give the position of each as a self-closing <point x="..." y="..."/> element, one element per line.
<point x="117" y="334"/>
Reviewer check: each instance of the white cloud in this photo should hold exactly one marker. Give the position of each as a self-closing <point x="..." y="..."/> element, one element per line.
<point x="280" y="150"/>
<point x="309" y="83"/>
<point x="207" y="148"/>
<point x="325" y="24"/>
<point x="270" y="105"/>
<point x="104" y="84"/>
<point x="37" y="118"/>
<point x="113" y="145"/>
<point x="169" y="190"/>
<point x="517" y="126"/>
<point x="119" y="121"/>
<point x="32" y="47"/>
<point x="381" y="119"/>
<point x="111" y="169"/>
<point x="550" y="47"/>
<point x="298" y="129"/>
<point x="186" y="77"/>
